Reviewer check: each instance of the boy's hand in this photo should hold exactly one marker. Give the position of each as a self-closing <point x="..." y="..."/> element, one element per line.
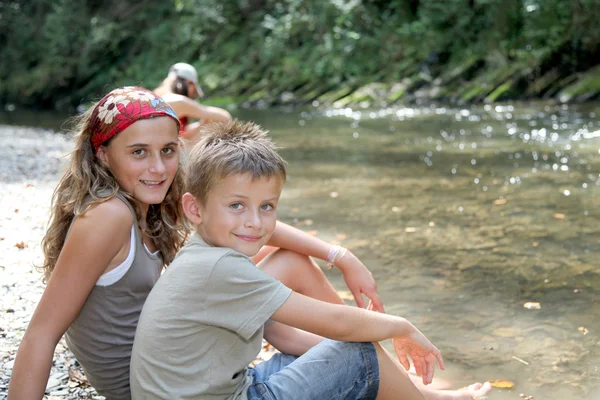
<point x="360" y="281"/>
<point x="421" y="351"/>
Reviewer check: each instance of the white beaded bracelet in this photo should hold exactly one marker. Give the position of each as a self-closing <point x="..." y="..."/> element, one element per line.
<point x="335" y="254"/>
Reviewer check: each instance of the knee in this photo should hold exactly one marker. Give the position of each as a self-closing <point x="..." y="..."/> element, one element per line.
<point x="349" y="349"/>
<point x="294" y="270"/>
<point x="295" y="262"/>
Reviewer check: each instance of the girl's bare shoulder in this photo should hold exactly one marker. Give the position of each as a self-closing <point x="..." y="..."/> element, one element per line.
<point x="111" y="213"/>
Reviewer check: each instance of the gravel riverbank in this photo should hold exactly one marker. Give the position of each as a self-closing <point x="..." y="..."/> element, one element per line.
<point x="30" y="164"/>
<point x="31" y="161"/>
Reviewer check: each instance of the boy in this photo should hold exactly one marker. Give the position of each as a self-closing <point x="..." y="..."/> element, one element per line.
<point x="205" y="319"/>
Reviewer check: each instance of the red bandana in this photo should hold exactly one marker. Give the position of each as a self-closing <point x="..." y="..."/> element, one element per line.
<point x="121" y="108"/>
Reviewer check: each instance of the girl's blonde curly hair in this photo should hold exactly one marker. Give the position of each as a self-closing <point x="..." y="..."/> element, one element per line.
<point x="87" y="182"/>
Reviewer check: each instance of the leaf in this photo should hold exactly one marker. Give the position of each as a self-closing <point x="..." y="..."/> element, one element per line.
<point x="76" y="376"/>
<point x="559" y="216"/>
<point x="500" y="202"/>
<point x="583" y="330"/>
<point x="345" y="295"/>
<point x="532" y="305"/>
<point x="502" y="384"/>
<point x="21" y="245"/>
<point x="507" y="332"/>
<point x="305" y="222"/>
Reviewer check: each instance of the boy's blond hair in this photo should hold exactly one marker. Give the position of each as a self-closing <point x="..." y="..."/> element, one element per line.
<point x="228" y="149"/>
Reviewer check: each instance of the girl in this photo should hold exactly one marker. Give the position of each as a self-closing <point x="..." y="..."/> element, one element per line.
<point x="116" y="221"/>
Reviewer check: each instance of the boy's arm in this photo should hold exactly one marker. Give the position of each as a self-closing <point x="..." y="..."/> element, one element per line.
<point x="351" y="324"/>
<point x="340" y="322"/>
<point x="290" y="340"/>
<point x="358" y="278"/>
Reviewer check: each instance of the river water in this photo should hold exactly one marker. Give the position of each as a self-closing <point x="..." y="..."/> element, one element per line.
<point x="481" y="225"/>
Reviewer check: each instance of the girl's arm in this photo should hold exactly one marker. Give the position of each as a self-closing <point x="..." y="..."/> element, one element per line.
<point x="358" y="278"/>
<point x="290" y="340"/>
<point x="351" y="324"/>
<point x="95" y="239"/>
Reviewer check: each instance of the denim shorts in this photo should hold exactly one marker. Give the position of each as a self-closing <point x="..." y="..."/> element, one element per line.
<point x="330" y="370"/>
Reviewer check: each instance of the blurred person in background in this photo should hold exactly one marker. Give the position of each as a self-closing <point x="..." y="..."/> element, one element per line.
<point x="181" y="90"/>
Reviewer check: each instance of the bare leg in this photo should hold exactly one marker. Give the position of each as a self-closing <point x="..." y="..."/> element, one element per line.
<point x="263" y="252"/>
<point x="299" y="273"/>
<point x="303" y="275"/>
<point x="395" y="382"/>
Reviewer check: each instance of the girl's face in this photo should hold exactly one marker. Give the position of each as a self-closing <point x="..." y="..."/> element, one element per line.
<point x="144" y="159"/>
<point x="194" y="91"/>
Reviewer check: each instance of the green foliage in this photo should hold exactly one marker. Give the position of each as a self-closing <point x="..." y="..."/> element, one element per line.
<point x="59" y="53"/>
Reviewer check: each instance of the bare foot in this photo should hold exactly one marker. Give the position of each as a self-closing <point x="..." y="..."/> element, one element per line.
<point x="474" y="391"/>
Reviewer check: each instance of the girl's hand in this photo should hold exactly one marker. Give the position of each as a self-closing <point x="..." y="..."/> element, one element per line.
<point x="360" y="281"/>
<point x="421" y="351"/>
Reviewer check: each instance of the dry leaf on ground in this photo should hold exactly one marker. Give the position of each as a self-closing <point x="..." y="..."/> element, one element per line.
<point x="532" y="305"/>
<point x="77" y="376"/>
<point x="345" y="295"/>
<point x="502" y="384"/>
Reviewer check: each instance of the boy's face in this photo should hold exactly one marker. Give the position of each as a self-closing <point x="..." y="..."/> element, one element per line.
<point x="239" y="213"/>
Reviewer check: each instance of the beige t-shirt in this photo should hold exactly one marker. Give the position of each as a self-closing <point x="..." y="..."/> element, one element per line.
<point x="202" y="325"/>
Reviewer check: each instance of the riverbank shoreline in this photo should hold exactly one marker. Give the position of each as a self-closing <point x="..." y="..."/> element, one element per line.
<point x="285" y="53"/>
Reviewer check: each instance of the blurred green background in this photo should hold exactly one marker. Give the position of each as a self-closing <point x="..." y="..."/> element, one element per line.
<point x="57" y="54"/>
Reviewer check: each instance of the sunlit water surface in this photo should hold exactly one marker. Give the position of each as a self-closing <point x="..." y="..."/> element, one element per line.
<point x="463" y="215"/>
